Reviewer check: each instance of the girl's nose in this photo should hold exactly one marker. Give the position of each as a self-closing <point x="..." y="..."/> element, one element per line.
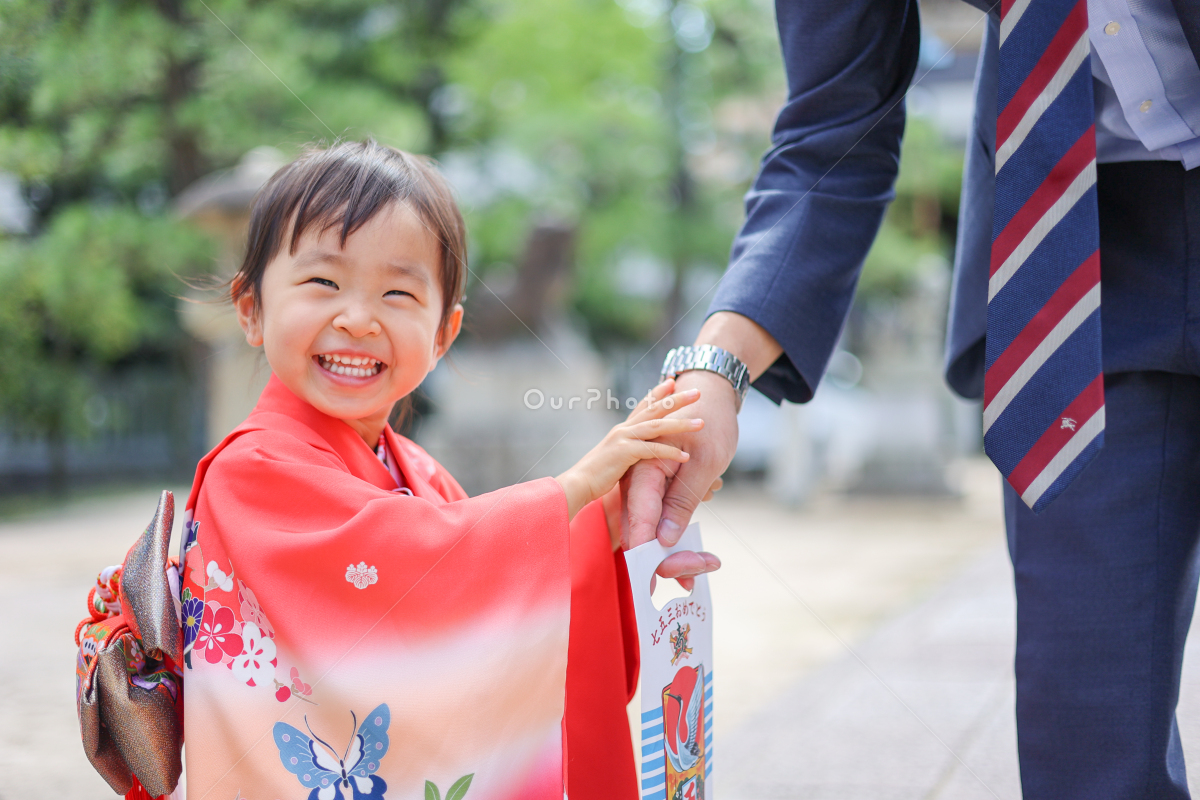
<point x="358" y="321"/>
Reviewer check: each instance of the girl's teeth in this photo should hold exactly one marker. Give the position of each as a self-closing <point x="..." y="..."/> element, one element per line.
<point x="354" y="366"/>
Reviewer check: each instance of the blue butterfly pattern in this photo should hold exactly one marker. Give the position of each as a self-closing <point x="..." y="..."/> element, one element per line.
<point x="317" y="765"/>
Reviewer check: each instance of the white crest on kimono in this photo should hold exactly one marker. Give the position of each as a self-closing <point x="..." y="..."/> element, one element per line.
<point x="255" y="666"/>
<point x="218" y="579"/>
<point x="361" y="576"/>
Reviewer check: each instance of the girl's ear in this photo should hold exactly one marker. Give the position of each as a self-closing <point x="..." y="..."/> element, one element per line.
<point x="449" y="332"/>
<point x="250" y="319"/>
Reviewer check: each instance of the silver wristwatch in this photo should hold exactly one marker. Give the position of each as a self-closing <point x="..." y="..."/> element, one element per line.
<point x="713" y="359"/>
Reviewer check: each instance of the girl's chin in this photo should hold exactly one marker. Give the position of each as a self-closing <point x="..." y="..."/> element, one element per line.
<point x="351" y="398"/>
<point x="339" y="406"/>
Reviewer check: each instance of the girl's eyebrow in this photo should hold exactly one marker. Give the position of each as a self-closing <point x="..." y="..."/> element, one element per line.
<point x="316" y="257"/>
<point x="409" y="271"/>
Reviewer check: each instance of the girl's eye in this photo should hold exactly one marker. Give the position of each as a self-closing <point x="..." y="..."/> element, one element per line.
<point x="398" y="293"/>
<point x="323" y="282"/>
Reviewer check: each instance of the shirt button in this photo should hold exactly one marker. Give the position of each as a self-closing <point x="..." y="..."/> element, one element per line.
<point x="1112" y="28"/>
<point x="1145" y="106"/>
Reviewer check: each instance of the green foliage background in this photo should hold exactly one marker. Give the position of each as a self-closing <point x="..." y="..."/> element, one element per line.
<point x="617" y="108"/>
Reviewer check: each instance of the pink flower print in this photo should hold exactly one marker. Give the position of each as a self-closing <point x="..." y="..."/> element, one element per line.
<point x="299" y="686"/>
<point x="252" y="611"/>
<point x="299" y="689"/>
<point x="255" y="665"/>
<point x="361" y="576"/>
<point x="216" y="637"/>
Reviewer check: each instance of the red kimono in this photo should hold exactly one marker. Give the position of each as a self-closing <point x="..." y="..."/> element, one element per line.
<point x="346" y="639"/>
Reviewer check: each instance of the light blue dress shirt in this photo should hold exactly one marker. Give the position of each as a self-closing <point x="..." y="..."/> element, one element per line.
<point x="1146" y="83"/>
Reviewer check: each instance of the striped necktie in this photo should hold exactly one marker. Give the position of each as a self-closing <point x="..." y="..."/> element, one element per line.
<point x="1043" y="415"/>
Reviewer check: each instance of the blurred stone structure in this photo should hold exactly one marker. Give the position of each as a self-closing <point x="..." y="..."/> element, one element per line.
<point x="914" y="436"/>
<point x="220" y="204"/>
<point x="534" y="301"/>
<point x="885" y="424"/>
<point x="524" y="395"/>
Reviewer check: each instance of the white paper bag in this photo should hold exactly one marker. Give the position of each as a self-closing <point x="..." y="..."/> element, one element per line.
<point x="676" y="679"/>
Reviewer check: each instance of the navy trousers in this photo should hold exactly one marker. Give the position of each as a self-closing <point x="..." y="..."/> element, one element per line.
<point x="1106" y="576"/>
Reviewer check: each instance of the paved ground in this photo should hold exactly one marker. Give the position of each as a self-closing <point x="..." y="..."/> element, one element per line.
<point x="921" y="709"/>
<point x="47" y="563"/>
<point x="907" y="618"/>
<point x="863" y="647"/>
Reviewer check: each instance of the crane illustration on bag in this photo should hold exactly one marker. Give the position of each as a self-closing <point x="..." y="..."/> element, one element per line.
<point x="683" y="729"/>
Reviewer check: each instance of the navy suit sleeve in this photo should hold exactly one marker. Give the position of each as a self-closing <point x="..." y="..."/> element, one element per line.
<point x="819" y="198"/>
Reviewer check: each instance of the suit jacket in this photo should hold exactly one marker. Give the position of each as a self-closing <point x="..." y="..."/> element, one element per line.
<point x="823" y="187"/>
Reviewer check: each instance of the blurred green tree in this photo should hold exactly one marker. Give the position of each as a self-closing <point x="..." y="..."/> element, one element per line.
<point x="608" y="107"/>
<point x="107" y="111"/>
<point x="639" y="120"/>
<point x="93" y="291"/>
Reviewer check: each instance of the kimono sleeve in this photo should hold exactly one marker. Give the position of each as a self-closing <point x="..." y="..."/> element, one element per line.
<point x="602" y="666"/>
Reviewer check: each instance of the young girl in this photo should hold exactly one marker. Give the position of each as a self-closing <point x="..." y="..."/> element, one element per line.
<point x="354" y="624"/>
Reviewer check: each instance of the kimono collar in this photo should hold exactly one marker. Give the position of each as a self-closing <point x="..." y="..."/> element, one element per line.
<point x="359" y="458"/>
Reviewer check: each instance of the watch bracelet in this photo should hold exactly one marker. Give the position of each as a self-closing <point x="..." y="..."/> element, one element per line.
<point x="709" y="358"/>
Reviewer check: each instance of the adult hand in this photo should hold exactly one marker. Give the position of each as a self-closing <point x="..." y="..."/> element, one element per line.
<point x="617" y="520"/>
<point x="660" y="496"/>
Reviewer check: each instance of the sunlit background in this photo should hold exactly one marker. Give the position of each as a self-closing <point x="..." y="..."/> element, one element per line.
<point x="600" y="150"/>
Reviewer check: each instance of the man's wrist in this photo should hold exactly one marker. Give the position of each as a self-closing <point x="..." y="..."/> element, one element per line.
<point x="744" y="338"/>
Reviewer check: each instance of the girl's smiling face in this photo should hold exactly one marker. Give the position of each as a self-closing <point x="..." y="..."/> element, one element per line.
<point x="353" y="329"/>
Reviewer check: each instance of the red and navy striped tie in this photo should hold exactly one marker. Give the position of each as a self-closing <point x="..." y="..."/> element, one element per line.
<point x="1043" y="413"/>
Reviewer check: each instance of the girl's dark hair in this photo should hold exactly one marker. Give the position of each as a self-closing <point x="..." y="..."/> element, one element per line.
<point x="346" y="185"/>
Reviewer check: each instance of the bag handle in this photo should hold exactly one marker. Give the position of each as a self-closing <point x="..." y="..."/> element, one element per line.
<point x="644" y="559"/>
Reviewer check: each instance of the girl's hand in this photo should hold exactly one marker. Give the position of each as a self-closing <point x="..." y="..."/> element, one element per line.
<point x="628" y="443"/>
